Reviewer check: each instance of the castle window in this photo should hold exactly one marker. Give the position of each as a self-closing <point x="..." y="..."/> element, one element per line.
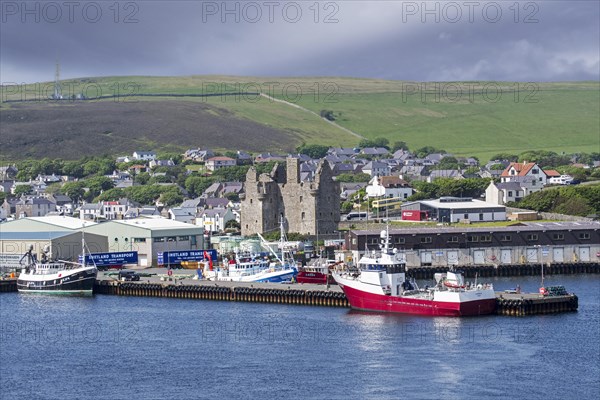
<point x="301" y="200"/>
<point x="303" y="214"/>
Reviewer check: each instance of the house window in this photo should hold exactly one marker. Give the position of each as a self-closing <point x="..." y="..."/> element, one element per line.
<point x="466" y="216"/>
<point x="505" y="238"/>
<point x="535" y="171"/>
<point x="139" y="240"/>
<point x="532" y="237"/>
<point x="183" y="238"/>
<point x="485" y="238"/>
<point x="472" y="238"/>
<point x="510" y="193"/>
<point x="372" y="240"/>
<point x="399" y="240"/>
<point x="453" y="239"/>
<point x="426" y="239"/>
<point x="584" y="236"/>
<point x="558" y="236"/>
<point x="193" y="240"/>
<point x="159" y="239"/>
<point x="171" y="239"/>
<point x="480" y="216"/>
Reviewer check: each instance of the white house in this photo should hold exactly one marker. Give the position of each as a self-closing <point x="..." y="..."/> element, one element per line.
<point x="90" y="211"/>
<point x="214" y="220"/>
<point x="215" y="163"/>
<point x="502" y="193"/>
<point x="183" y="214"/>
<point x="524" y="169"/>
<point x="389" y="186"/>
<point x="376" y="168"/>
<point x="144" y="155"/>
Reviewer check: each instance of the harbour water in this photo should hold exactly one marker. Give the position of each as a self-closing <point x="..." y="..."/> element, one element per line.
<point x="111" y="347"/>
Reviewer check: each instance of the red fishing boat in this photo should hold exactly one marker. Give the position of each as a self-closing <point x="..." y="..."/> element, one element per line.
<point x="380" y="284"/>
<point x="318" y="273"/>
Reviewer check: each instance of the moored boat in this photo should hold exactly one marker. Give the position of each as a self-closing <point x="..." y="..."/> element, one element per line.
<point x="56" y="277"/>
<point x="380" y="284"/>
<point x="318" y="273"/>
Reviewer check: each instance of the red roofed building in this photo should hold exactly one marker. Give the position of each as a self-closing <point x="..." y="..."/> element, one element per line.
<point x="552" y="173"/>
<point x="214" y="163"/>
<point x="516" y="171"/>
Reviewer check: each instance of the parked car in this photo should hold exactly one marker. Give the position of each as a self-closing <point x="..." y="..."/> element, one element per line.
<point x="128" y="275"/>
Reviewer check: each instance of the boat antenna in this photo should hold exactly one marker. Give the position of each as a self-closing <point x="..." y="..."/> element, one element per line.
<point x="268" y="246"/>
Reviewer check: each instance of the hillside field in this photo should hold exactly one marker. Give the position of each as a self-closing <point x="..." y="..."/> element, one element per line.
<point x="464" y="118"/>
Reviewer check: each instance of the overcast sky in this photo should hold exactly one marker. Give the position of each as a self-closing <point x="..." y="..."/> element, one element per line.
<point x="462" y="40"/>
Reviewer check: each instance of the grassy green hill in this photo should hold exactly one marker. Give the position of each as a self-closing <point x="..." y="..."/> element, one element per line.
<point x="465" y="118"/>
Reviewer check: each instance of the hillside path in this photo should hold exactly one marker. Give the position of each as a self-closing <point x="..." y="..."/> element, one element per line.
<point x="314" y="113"/>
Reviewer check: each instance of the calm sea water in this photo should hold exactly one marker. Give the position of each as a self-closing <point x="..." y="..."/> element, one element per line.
<point x="110" y="347"/>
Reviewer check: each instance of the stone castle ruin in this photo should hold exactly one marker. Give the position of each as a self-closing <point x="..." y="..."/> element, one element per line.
<point x="307" y="207"/>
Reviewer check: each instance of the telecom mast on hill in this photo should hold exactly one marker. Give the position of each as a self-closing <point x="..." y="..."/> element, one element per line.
<point x="57" y="90"/>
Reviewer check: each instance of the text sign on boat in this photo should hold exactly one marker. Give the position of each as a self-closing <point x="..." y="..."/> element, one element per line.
<point x="108" y="259"/>
<point x="176" y="257"/>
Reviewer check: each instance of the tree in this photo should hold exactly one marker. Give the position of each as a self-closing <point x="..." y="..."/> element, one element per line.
<point x="314" y="151"/>
<point x="74" y="190"/>
<point x="22" y="189"/>
<point x="497" y="167"/>
<point x="504" y="156"/>
<point x="377" y="142"/>
<point x="2" y="197"/>
<point x="98" y="184"/>
<point x="145" y="194"/>
<point x="343" y="178"/>
<point x="232" y="224"/>
<point x="232" y="196"/>
<point x="448" y="162"/>
<point x="171" y="196"/>
<point x="399" y="145"/>
<point x="111" y="195"/>
<point x="232" y="174"/>
<point x="327" y="114"/>
<point x="347" y="207"/>
<point x="142" y="178"/>
<point x="427" y="150"/>
<point x="73" y="168"/>
<point x="159" y="179"/>
<point x="196" y="184"/>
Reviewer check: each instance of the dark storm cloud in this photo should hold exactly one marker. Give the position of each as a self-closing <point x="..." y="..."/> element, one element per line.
<point x="394" y="40"/>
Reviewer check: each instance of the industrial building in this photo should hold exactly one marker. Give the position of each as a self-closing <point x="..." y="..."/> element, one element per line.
<point x="61" y="235"/>
<point x="452" y="210"/>
<point x="149" y="236"/>
<point x="531" y="243"/>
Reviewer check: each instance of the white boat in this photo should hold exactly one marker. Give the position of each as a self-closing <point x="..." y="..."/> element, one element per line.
<point x="56" y="277"/>
<point x="255" y="268"/>
<point x="380" y="284"/>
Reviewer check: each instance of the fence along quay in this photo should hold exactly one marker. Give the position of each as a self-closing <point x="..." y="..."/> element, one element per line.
<point x="510" y="304"/>
<point x="506" y="303"/>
